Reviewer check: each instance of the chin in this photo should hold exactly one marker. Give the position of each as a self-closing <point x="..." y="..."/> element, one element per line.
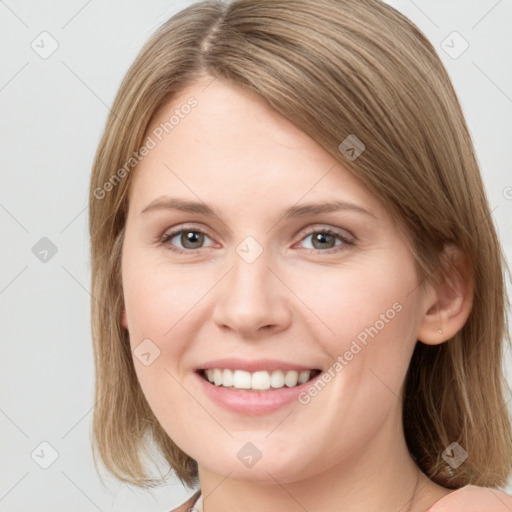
<point x="271" y="466"/>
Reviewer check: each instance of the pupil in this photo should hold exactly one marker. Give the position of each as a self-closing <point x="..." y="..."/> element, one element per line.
<point x="322" y="238"/>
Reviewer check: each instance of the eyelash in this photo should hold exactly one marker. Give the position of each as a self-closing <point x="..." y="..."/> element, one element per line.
<point x="167" y="237"/>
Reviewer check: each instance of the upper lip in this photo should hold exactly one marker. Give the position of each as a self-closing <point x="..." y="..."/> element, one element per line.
<point x="253" y="365"/>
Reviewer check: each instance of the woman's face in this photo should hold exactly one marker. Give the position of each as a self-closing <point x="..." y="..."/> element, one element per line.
<point x="268" y="286"/>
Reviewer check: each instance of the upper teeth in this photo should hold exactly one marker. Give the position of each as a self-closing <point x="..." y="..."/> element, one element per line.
<point x="261" y="380"/>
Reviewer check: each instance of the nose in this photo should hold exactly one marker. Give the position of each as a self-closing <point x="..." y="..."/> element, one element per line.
<point x="252" y="301"/>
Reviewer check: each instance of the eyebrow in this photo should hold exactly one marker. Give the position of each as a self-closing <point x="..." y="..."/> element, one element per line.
<point x="171" y="203"/>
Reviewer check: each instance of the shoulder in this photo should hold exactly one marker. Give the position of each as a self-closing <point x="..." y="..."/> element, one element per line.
<point x="185" y="507"/>
<point x="472" y="498"/>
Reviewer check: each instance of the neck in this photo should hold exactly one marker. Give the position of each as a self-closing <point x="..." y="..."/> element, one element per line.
<point x="378" y="477"/>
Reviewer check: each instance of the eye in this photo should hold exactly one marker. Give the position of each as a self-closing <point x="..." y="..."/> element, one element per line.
<point x="325" y="240"/>
<point x="189" y="238"/>
<point x="193" y="239"/>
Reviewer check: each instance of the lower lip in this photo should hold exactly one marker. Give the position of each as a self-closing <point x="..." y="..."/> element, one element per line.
<point x="253" y="403"/>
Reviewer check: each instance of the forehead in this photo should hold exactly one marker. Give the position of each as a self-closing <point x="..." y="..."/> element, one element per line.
<point x="232" y="147"/>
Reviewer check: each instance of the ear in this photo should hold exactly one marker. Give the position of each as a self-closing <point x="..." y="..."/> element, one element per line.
<point x="447" y="305"/>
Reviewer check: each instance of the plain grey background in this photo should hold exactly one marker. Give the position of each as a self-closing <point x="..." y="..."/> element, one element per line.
<point x="53" y="109"/>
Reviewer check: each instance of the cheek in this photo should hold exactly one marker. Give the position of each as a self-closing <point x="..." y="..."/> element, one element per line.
<point x="159" y="298"/>
<point x="367" y="314"/>
<point x="164" y="309"/>
<point x="160" y="310"/>
<point x="346" y="300"/>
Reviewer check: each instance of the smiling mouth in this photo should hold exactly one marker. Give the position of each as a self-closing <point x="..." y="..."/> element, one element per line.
<point x="257" y="381"/>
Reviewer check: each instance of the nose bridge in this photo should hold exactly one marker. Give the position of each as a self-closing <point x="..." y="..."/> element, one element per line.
<point x="251" y="297"/>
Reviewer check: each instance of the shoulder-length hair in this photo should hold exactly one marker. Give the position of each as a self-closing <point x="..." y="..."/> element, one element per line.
<point x="334" y="68"/>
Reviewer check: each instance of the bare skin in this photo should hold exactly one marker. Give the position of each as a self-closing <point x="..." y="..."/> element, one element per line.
<point x="296" y="302"/>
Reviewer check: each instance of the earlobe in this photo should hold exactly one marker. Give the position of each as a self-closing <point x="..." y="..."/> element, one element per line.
<point x="448" y="304"/>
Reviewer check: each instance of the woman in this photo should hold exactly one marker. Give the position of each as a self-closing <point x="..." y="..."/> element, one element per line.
<point x="299" y="289"/>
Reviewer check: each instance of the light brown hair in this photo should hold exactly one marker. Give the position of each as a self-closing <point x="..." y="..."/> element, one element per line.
<point x="333" y="68"/>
